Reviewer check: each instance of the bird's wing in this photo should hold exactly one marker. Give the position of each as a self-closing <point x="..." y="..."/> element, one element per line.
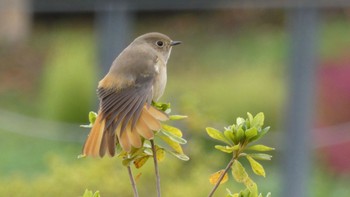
<point x="125" y="113"/>
<point x="125" y="104"/>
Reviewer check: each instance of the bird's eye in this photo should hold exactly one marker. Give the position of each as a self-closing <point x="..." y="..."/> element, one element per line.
<point x="160" y="43"/>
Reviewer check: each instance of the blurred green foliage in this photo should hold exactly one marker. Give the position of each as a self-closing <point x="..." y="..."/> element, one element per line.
<point x="69" y="77"/>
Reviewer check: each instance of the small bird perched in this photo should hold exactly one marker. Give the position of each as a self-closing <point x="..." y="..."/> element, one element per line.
<point x="137" y="76"/>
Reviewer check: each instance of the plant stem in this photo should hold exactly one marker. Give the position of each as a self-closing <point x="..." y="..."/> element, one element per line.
<point x="156" y="169"/>
<point x="222" y="176"/>
<point x="132" y="180"/>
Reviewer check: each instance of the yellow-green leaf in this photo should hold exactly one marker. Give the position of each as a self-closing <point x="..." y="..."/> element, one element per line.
<point x="261" y="156"/>
<point x="238" y="172"/>
<point x="174" y="145"/>
<point x="177" y="117"/>
<point x="174" y="137"/>
<point x="229" y="135"/>
<point x="258" y="120"/>
<point x="172" y="130"/>
<point x="88" y="193"/>
<point x="214" y="178"/>
<point x="252" y="187"/>
<point x="215" y="134"/>
<point x="240" y="135"/>
<point x="160" y="154"/>
<point x="245" y="193"/>
<point x="227" y="149"/>
<point x="92" y="117"/>
<point x="260" y="147"/>
<point x="182" y="157"/>
<point x="250" y="118"/>
<point x="257" y="168"/>
<point x="250" y="133"/>
<point x="239" y="121"/>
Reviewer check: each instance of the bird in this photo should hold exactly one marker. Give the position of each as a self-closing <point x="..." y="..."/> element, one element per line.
<point x="136" y="77"/>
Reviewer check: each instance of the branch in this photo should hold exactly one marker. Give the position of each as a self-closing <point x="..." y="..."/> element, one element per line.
<point x="222" y="176"/>
<point x="132" y="180"/>
<point x="156" y="167"/>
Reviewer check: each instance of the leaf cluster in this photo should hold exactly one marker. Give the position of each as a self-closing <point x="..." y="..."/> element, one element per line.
<point x="237" y="139"/>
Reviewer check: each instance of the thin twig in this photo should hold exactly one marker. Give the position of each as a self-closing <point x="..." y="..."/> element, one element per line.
<point x="222" y="176"/>
<point x="133" y="183"/>
<point x="156" y="167"/>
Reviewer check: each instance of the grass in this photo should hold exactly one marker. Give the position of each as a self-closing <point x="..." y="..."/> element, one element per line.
<point x="211" y="79"/>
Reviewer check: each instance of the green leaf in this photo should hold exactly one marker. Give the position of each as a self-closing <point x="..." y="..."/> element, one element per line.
<point x="227" y="149"/>
<point x="177" y="117"/>
<point x="260" y="147"/>
<point x="165" y="107"/>
<point x="148" y="151"/>
<point x="167" y="143"/>
<point x="250" y="133"/>
<point x="260" y="134"/>
<point x="238" y="172"/>
<point x="268" y="194"/>
<point x="173" y="137"/>
<point x="245" y="193"/>
<point x="257" y="168"/>
<point x="261" y="156"/>
<point x="253" y="188"/>
<point x="240" y="121"/>
<point x="88" y="193"/>
<point x="229" y="135"/>
<point x="240" y="135"/>
<point x="264" y="131"/>
<point x="97" y="194"/>
<point x="215" y="134"/>
<point x="258" y="120"/>
<point x="92" y="117"/>
<point x="180" y="156"/>
<point x="250" y="118"/>
<point x="172" y="130"/>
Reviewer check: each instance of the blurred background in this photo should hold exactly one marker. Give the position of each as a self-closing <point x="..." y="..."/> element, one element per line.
<point x="288" y="60"/>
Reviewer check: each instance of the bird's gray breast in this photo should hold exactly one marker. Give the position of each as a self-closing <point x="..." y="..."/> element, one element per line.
<point x="160" y="80"/>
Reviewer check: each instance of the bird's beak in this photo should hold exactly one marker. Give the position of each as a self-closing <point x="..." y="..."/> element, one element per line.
<point x="173" y="43"/>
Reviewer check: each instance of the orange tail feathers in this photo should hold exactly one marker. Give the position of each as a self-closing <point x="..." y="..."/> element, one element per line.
<point x="148" y="122"/>
<point x="93" y="142"/>
<point x="99" y="142"/>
